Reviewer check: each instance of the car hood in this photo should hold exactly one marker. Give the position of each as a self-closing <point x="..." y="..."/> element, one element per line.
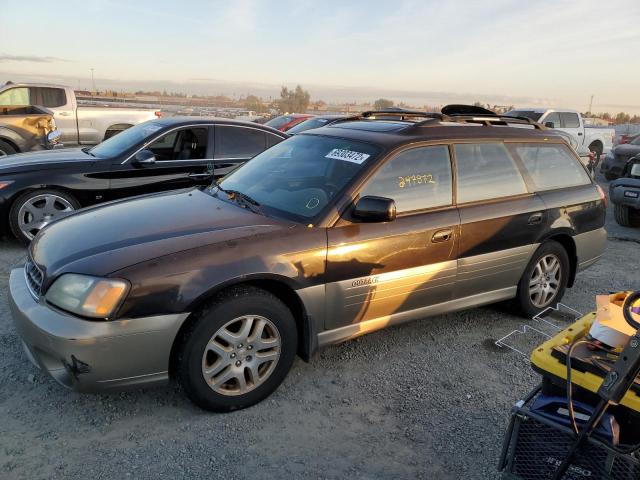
<point x="103" y="239"/>
<point x="627" y="150"/>
<point x="42" y="159"/>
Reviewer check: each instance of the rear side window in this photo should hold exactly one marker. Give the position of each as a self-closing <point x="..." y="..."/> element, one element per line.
<point x="15" y="96"/>
<point x="415" y="179"/>
<point x="238" y="142"/>
<point x="569" y="120"/>
<point x="551" y="166"/>
<point x="48" y="97"/>
<point x="486" y="171"/>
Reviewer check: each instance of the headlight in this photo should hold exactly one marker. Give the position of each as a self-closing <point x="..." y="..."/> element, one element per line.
<point x="87" y="296"/>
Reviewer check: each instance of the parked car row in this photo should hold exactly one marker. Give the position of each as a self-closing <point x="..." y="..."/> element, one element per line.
<point x="328" y="234"/>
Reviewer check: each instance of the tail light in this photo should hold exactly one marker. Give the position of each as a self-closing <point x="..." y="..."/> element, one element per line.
<point x="158" y="113"/>
<point x="603" y="196"/>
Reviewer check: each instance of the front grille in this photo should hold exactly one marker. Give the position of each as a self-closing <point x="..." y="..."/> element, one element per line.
<point x="34" y="278"/>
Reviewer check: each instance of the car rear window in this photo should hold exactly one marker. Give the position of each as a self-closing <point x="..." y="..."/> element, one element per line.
<point x="486" y="171"/>
<point x="530" y="114"/>
<point x="551" y="166"/>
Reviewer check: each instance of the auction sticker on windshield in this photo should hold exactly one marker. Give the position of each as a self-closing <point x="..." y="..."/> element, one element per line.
<point x="347" y="155"/>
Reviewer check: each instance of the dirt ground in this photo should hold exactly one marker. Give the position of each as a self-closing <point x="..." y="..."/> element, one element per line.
<point x="429" y="399"/>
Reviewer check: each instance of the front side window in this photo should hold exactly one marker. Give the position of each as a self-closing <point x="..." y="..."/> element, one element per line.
<point x="486" y="171"/>
<point x="15" y="96"/>
<point x="553" y="117"/>
<point x="569" y="120"/>
<point x="551" y="166"/>
<point x="238" y="142"/>
<point x="187" y="144"/>
<point x="415" y="179"/>
<point x="296" y="179"/>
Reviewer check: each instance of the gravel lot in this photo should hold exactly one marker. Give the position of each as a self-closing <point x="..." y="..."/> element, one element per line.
<point x="429" y="399"/>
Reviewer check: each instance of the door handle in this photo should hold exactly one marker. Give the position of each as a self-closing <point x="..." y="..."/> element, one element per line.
<point x="200" y="175"/>
<point x="64" y="114"/>
<point x="442" y="236"/>
<point x="535" y="219"/>
<point x="579" y="134"/>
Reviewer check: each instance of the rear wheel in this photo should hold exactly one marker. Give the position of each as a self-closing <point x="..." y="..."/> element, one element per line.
<point x="610" y="176"/>
<point x="545" y="279"/>
<point x="34" y="210"/>
<point x="6" y="149"/>
<point x="597" y="149"/>
<point x="237" y="350"/>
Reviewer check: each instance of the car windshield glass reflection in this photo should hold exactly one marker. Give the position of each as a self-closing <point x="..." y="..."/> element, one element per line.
<point x="125" y="140"/>
<point x="299" y="177"/>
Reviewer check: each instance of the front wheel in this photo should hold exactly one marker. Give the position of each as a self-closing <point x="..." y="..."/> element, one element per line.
<point x="237" y="350"/>
<point x="34" y="210"/>
<point x="626" y="216"/>
<point x="545" y="279"/>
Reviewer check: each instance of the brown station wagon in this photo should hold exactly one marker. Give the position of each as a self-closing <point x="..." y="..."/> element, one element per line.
<point x="331" y="234"/>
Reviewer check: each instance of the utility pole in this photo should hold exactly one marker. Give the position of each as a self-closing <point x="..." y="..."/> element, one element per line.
<point x="93" y="82"/>
<point x="591" y="106"/>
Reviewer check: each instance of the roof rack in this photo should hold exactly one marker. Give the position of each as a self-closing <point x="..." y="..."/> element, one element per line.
<point x="450" y="113"/>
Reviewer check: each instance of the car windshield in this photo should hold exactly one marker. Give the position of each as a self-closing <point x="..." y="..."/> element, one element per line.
<point x="309" y="124"/>
<point x="299" y="177"/>
<point x="635" y="141"/>
<point x="125" y="140"/>
<point x="530" y="114"/>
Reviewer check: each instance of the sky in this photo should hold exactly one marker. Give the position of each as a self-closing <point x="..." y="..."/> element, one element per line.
<point x="512" y="51"/>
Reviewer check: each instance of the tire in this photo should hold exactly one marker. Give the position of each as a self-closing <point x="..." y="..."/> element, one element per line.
<point x="49" y="203"/>
<point x="597" y="149"/>
<point x="6" y="149"/>
<point x="111" y="133"/>
<point x="610" y="176"/>
<point x="204" y="345"/>
<point x="524" y="300"/>
<point x="626" y="216"/>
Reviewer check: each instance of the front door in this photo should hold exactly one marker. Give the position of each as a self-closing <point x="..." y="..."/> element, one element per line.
<point x="182" y="159"/>
<point x="378" y="270"/>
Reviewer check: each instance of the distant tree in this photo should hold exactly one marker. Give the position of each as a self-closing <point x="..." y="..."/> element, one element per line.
<point x="622" y="118"/>
<point x="254" y="103"/>
<point x="294" y="100"/>
<point x="382" y="104"/>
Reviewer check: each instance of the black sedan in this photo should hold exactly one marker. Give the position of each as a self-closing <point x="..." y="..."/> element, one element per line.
<point x="164" y="154"/>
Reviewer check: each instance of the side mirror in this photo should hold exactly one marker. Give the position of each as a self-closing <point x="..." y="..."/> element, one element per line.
<point x="54" y="137"/>
<point x="375" y="209"/>
<point x="549" y="124"/>
<point x="145" y="157"/>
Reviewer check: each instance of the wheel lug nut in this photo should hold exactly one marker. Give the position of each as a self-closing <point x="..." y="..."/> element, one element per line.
<point x="240" y="346"/>
<point x="238" y="363"/>
<point x="249" y="358"/>
<point x="233" y="355"/>
<point x="249" y="347"/>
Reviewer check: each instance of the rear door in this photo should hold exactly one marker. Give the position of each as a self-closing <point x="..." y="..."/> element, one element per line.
<point x="183" y="158"/>
<point x="378" y="271"/>
<point x="500" y="221"/>
<point x="237" y="144"/>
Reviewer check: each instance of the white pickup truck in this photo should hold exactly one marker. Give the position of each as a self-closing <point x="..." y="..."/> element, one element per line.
<point x="598" y="140"/>
<point x="79" y="124"/>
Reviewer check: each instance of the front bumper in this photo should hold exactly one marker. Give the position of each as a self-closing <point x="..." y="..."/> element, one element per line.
<point x="88" y="355"/>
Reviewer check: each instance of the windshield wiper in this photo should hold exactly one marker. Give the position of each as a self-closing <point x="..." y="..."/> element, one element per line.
<point x="242" y="199"/>
<point x="87" y="150"/>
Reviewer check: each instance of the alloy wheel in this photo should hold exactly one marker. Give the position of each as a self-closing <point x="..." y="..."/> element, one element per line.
<point x="545" y="281"/>
<point x="241" y="355"/>
<point x="39" y="211"/>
